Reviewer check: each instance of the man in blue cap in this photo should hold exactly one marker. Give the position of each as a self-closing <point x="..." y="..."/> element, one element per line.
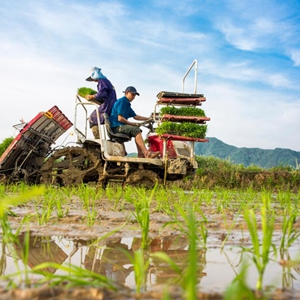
<point x="120" y="114"/>
<point x="106" y="97"/>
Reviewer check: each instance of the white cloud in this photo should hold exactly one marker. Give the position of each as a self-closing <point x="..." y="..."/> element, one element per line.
<point x="238" y="36"/>
<point x="295" y="57"/>
<point x="47" y="49"/>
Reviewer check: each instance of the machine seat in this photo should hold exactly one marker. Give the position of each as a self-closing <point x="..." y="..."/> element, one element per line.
<point x="115" y="137"/>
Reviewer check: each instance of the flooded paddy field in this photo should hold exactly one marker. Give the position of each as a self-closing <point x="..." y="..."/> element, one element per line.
<point x="87" y="243"/>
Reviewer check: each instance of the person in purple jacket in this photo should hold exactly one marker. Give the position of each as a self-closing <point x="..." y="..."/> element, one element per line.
<point x="106" y="97"/>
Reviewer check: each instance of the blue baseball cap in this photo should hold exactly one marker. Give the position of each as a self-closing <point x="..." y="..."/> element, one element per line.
<point x="132" y="90"/>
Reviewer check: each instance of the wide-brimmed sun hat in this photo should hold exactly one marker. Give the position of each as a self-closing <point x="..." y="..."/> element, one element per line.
<point x="95" y="74"/>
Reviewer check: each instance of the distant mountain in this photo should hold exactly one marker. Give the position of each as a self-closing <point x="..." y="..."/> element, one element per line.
<point x="248" y="156"/>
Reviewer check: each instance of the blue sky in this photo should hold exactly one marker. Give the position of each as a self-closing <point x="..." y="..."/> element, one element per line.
<point x="248" y="55"/>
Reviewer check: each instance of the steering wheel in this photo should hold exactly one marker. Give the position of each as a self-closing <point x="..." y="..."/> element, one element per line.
<point x="147" y="123"/>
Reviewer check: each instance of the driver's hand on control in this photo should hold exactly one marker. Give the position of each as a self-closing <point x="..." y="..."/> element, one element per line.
<point x="136" y="124"/>
<point x="150" y="118"/>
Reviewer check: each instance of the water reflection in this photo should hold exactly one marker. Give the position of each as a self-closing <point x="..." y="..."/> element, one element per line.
<point x="37" y="249"/>
<point x="290" y="269"/>
<point x="114" y="259"/>
<point x="111" y="257"/>
<point x="109" y="260"/>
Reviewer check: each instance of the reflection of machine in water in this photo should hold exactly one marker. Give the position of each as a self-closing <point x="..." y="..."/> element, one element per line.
<point x="110" y="257"/>
<point x="177" y="249"/>
<point x="109" y="261"/>
<point x="40" y="250"/>
<point x="114" y="261"/>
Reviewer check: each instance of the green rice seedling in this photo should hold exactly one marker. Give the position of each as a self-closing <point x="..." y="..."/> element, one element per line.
<point x="177" y="195"/>
<point x="140" y="262"/>
<point x="129" y="195"/>
<point x="285" y="200"/>
<point x="87" y="194"/>
<point x="140" y="266"/>
<point x="121" y="195"/>
<point x="142" y="213"/>
<point x="182" y="111"/>
<point x="6" y="202"/>
<point x="114" y="194"/>
<point x="74" y="276"/>
<point x="24" y="255"/>
<point x="70" y="275"/>
<point x="47" y="209"/>
<point x="248" y="197"/>
<point x="60" y="204"/>
<point x="187" y="277"/>
<point x="204" y="234"/>
<point x="67" y="191"/>
<point x="166" y="294"/>
<point x="190" y="277"/>
<point x="8" y="235"/>
<point x="207" y="196"/>
<point x="289" y="233"/>
<point x="167" y="259"/>
<point x="232" y="226"/>
<point x="2" y="190"/>
<point x="13" y="188"/>
<point x="184" y="226"/>
<point x="289" y="202"/>
<point x="182" y="129"/>
<point x="84" y="91"/>
<point x="3" y="258"/>
<point x="261" y="252"/>
<point x="54" y="200"/>
<point x="163" y="202"/>
<point x="239" y="289"/>
<point x="91" y="213"/>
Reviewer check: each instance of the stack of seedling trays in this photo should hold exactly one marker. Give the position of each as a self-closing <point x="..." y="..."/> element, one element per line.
<point x="180" y="118"/>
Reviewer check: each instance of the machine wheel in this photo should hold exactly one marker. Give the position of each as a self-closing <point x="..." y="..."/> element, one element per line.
<point x="71" y="166"/>
<point x="143" y="178"/>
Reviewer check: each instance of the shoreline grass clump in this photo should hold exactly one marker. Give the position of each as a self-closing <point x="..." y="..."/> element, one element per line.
<point x="84" y="91"/>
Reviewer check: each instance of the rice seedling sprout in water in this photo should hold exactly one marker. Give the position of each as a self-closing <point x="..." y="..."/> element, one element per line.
<point x="261" y="251"/>
<point x="142" y="213"/>
<point x="289" y="233"/>
<point x="190" y="274"/>
<point x="239" y="289"/>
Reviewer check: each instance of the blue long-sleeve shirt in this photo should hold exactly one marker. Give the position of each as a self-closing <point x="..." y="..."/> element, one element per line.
<point x="107" y="96"/>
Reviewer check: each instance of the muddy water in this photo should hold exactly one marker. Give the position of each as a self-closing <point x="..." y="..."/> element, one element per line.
<point x="217" y="269"/>
<point x="69" y="240"/>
